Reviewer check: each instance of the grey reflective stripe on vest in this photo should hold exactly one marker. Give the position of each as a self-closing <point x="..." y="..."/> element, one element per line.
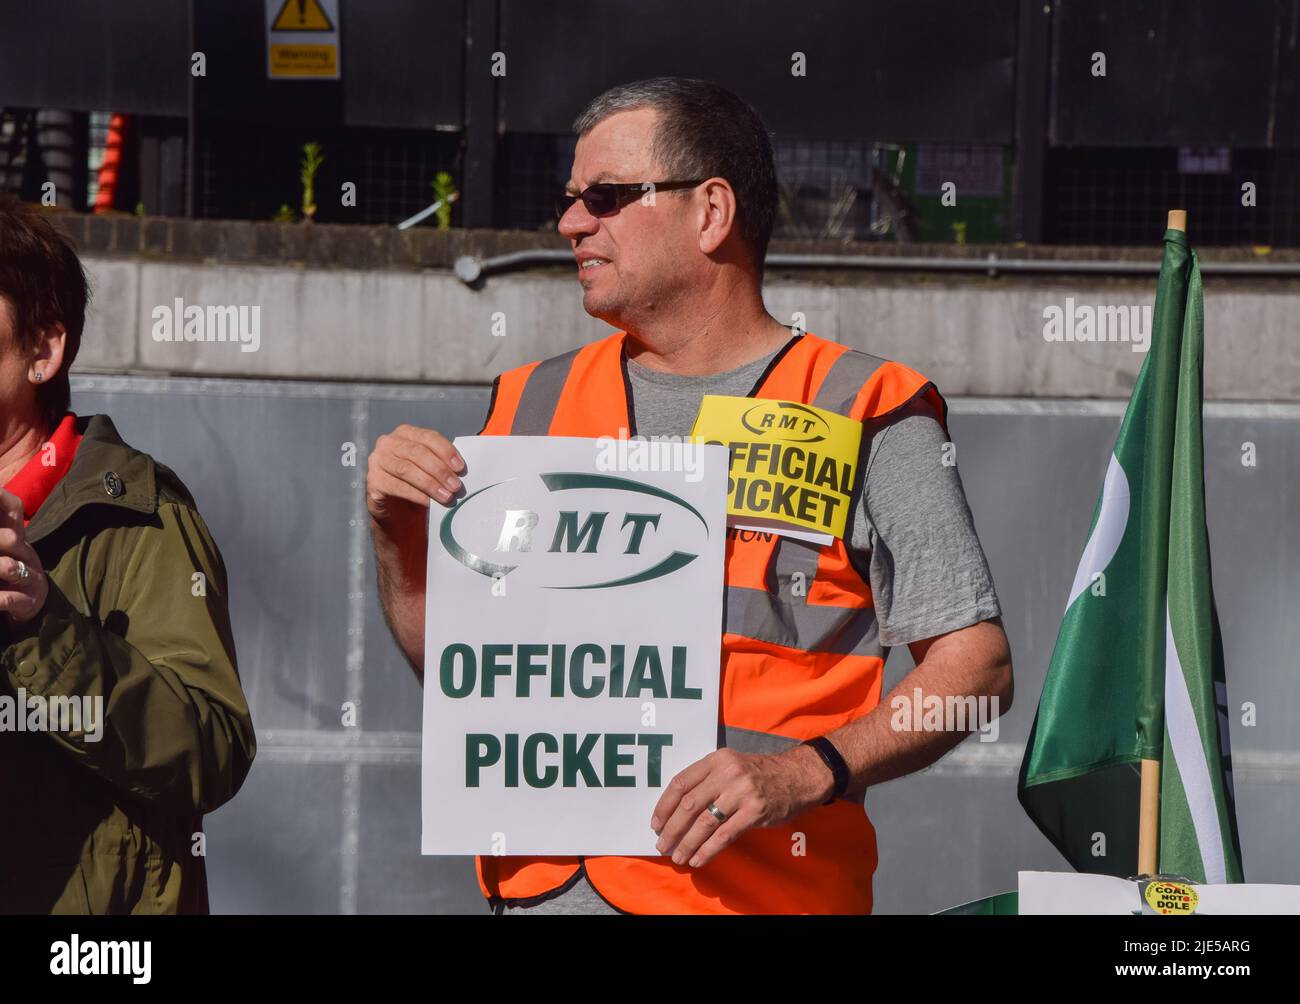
<point x="779" y="620"/>
<point x="847" y="375"/>
<point x="793" y="557"/>
<point x="748" y="741"/>
<point x="541" y="395"/>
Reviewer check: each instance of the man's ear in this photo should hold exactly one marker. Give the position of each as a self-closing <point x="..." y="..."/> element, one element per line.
<point x="48" y="359"/>
<point x="718" y="218"/>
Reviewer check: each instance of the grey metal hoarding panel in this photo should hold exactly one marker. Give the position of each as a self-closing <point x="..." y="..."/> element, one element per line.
<point x="278" y="506"/>
<point x="1033" y="481"/>
<point x="397" y="878"/>
<point x="329" y="818"/>
<point x="278" y="847"/>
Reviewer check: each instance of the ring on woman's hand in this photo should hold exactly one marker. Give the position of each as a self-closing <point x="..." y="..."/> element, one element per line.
<point x="23" y="571"/>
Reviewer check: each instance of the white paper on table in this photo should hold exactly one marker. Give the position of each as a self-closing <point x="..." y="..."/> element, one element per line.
<point x="1073" y="893"/>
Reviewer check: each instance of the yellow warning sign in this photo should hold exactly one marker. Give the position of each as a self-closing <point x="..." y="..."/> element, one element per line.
<point x="302" y="39"/>
<point x="790" y="462"/>
<point x="302" y="15"/>
<point x="304" y="61"/>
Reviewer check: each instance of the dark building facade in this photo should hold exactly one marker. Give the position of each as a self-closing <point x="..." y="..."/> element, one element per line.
<point x="1058" y="121"/>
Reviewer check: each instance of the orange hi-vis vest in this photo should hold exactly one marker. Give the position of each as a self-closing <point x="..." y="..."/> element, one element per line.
<point x="796" y="663"/>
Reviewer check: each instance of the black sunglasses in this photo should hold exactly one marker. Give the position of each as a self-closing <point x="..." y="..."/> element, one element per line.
<point x="607" y="198"/>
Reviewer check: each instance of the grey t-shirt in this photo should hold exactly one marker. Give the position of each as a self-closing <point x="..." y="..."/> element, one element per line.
<point x="911" y="527"/>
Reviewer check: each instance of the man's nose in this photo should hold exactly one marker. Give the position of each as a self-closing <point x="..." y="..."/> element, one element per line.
<point x="577" y="221"/>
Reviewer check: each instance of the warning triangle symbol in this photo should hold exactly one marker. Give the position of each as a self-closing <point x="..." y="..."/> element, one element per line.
<point x="302" y="15"/>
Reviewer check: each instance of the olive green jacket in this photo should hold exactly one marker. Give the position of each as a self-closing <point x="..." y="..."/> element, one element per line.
<point x="137" y="617"/>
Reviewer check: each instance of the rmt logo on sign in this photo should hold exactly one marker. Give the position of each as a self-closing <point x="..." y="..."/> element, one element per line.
<point x="641" y="540"/>
<point x="802" y="424"/>
<point x="519" y="524"/>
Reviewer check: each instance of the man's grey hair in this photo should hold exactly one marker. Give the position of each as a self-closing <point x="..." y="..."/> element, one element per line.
<point x="703" y="131"/>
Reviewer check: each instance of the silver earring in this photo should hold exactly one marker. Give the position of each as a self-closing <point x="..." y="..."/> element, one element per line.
<point x="38" y="376"/>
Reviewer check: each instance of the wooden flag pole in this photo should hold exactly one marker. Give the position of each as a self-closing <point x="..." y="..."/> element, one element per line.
<point x="1149" y="819"/>
<point x="1149" y="808"/>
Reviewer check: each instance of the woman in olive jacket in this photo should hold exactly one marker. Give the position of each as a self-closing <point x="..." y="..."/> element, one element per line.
<point x="122" y="719"/>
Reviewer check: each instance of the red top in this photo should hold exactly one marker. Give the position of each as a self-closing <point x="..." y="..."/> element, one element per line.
<point x="38" y="477"/>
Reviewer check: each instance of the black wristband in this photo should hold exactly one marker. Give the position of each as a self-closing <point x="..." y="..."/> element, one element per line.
<point x="838" y="768"/>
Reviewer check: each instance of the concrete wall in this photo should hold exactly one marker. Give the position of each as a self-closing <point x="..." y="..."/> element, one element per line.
<point x="972" y="335"/>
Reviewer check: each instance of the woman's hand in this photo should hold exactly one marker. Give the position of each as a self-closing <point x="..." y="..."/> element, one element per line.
<point x="23" y="585"/>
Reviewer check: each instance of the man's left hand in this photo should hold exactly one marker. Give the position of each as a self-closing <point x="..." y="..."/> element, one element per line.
<point x="752" y="790"/>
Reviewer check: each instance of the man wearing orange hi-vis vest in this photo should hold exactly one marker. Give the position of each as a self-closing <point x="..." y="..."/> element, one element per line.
<point x="669" y="210"/>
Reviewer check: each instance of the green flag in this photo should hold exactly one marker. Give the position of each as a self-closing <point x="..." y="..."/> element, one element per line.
<point x="1137" y="672"/>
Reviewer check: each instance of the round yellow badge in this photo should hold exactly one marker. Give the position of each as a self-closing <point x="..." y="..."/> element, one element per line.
<point x="1175" y="898"/>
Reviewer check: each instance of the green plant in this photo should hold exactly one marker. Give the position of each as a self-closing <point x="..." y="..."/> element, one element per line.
<point x="284" y="214"/>
<point x="311" y="162"/>
<point x="444" y="191"/>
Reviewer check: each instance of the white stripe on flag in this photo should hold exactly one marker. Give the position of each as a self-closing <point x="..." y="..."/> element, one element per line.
<point x="1189" y="759"/>
<point x="1107" y="534"/>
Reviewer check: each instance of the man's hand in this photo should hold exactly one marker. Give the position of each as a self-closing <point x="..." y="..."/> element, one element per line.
<point x="21" y="597"/>
<point x="408" y="467"/>
<point x="753" y="790"/>
<point x="768" y="790"/>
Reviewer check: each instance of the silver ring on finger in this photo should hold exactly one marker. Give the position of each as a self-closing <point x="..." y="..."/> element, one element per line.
<point x="23" y="570"/>
<point x="717" y="813"/>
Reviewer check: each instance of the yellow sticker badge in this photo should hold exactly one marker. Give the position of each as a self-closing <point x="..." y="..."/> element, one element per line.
<point x="1176" y="898"/>
<point x="791" y="463"/>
